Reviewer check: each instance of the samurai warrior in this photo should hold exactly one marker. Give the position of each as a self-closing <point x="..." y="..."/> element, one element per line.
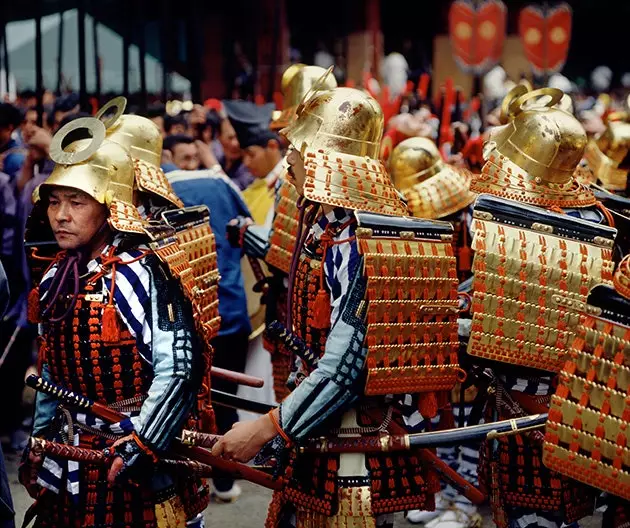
<point x="274" y="243"/>
<point x="364" y="332"/>
<point x="586" y="430"/>
<point x="116" y="328"/>
<point x="437" y="190"/>
<point x="541" y="242"/>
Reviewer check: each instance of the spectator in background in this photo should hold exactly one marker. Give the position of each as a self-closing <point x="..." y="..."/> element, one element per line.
<point x="184" y="152"/>
<point x="29" y="123"/>
<point x="63" y="106"/>
<point x="155" y="113"/>
<point x="228" y="152"/>
<point x="7" y="513"/>
<point x="176" y="125"/>
<point x="11" y="154"/>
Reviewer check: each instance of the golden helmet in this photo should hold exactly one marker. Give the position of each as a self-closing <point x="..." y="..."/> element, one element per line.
<point x="142" y="138"/>
<point x="615" y="141"/>
<point x="297" y="81"/>
<point x="432" y="188"/>
<point x="510" y="106"/>
<point x="338" y="133"/>
<point x="98" y="167"/>
<point x="533" y="158"/>
<point x="607" y="156"/>
<point x="414" y="160"/>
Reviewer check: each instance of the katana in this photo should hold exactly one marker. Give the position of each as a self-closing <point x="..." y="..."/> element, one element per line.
<point x="224" y="399"/>
<point x="104" y="457"/>
<point x="198" y="454"/>
<point x="447" y="437"/>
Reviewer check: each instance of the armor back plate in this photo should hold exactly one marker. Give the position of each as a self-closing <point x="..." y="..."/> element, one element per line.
<point x="533" y="270"/>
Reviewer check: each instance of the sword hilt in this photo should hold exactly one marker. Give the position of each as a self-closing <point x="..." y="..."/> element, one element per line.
<point x="63" y="395"/>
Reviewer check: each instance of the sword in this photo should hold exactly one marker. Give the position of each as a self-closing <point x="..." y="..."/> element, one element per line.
<point x="276" y="330"/>
<point x="224" y="399"/>
<point x="198" y="454"/>
<point x="104" y="457"/>
<point x="447" y="437"/>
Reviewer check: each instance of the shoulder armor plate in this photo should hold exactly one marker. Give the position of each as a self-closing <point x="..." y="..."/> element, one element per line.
<point x="589" y="415"/>
<point x="284" y="229"/>
<point x="412" y="304"/>
<point x="188" y="248"/>
<point x="533" y="270"/>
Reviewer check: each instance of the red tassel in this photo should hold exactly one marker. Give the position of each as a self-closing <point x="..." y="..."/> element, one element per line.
<point x="427" y="405"/>
<point x="110" y="331"/>
<point x="321" y="311"/>
<point x="33" y="306"/>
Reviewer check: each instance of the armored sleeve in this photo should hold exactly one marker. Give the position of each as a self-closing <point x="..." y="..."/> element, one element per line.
<point x="335" y="384"/>
<point x="176" y="353"/>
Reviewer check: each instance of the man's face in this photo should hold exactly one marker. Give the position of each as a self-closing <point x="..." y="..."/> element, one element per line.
<point x="229" y="141"/>
<point x="260" y="160"/>
<point x="29" y="125"/>
<point x="75" y="217"/>
<point x="297" y="173"/>
<point x="186" y="156"/>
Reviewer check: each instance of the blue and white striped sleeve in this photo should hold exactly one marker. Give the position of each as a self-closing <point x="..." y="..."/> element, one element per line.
<point x="335" y="384"/>
<point x="174" y="351"/>
<point x="132" y="300"/>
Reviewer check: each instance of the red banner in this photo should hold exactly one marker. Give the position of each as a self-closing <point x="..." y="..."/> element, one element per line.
<point x="477" y="33"/>
<point x="545" y="34"/>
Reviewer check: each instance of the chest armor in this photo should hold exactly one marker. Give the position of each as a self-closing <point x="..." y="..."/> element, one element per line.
<point x="587" y="431"/>
<point x="80" y="360"/>
<point x="533" y="270"/>
<point x="284" y="229"/>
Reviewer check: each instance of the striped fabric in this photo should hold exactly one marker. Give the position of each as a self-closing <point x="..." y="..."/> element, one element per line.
<point x="332" y="387"/>
<point x="341" y="259"/>
<point x="131" y="294"/>
<point x="54" y="472"/>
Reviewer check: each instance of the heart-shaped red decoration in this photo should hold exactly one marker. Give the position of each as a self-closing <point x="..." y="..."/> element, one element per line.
<point x="546" y="36"/>
<point x="477" y="34"/>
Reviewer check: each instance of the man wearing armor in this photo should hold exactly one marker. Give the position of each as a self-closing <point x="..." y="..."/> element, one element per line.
<point x="541" y="242"/>
<point x="273" y="240"/>
<point x="116" y="328"/>
<point x="352" y="240"/>
<point x="436" y="190"/>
